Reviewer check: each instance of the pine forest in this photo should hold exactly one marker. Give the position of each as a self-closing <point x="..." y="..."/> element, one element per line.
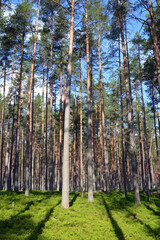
<point x="79" y="119"/>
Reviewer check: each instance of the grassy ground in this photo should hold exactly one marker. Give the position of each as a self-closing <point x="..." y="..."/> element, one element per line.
<point x="41" y="217"/>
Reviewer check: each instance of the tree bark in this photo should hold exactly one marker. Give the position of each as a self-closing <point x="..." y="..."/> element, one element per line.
<point x="7" y="160"/>
<point x="155" y="42"/>
<point x="105" y="160"/>
<point x="28" y="106"/>
<point x="140" y="140"/>
<point x="129" y="116"/>
<point x="65" y="180"/>
<point x="2" y="127"/>
<point x="89" y="153"/>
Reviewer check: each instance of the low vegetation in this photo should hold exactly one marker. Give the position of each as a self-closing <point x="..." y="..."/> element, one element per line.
<point x="110" y="216"/>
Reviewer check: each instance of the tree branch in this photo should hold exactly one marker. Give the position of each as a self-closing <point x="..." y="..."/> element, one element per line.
<point x="61" y="6"/>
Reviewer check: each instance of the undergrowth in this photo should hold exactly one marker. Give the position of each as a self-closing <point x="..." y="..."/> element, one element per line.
<point x="109" y="216"/>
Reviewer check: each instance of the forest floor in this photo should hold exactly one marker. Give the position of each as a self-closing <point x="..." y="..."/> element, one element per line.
<point x="109" y="217"/>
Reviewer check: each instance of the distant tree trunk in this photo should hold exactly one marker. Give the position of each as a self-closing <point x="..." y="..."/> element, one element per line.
<point x="118" y="171"/>
<point x="103" y="118"/>
<point x="60" y="127"/>
<point x="7" y="161"/>
<point x="65" y="181"/>
<point x="75" y="177"/>
<point x="155" y="42"/>
<point x="157" y="110"/>
<point x="93" y="147"/>
<point x="122" y="124"/>
<point x="147" y="162"/>
<point x="42" y="156"/>
<point x="99" y="172"/>
<point x="2" y="127"/>
<point x="81" y="136"/>
<point x="28" y="107"/>
<point x="46" y="140"/>
<point x="33" y="155"/>
<point x="89" y="154"/>
<point x="155" y="130"/>
<point x="130" y="116"/>
<point x="150" y="158"/>
<point x="140" y="140"/>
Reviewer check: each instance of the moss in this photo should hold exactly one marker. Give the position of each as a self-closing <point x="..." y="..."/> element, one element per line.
<point x="41" y="217"/>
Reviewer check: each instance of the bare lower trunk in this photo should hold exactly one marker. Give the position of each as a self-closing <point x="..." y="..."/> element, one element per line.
<point x="122" y="124"/>
<point x="130" y="117"/>
<point x="105" y="160"/>
<point x="51" y="110"/>
<point x="7" y="161"/>
<point x="81" y="137"/>
<point x="65" y="180"/>
<point x="28" y="107"/>
<point x="2" y="127"/>
<point x="140" y="141"/>
<point x="89" y="153"/>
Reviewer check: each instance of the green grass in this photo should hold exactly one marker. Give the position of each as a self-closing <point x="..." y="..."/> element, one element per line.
<point x="41" y="217"/>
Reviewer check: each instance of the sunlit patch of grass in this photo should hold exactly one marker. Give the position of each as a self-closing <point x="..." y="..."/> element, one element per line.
<point x="110" y="216"/>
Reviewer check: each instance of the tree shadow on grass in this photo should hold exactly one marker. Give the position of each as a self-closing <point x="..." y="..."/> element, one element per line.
<point x="151" y="209"/>
<point x="18" y="224"/>
<point x="115" y="225"/>
<point x="38" y="229"/>
<point x="153" y="232"/>
<point x="73" y="199"/>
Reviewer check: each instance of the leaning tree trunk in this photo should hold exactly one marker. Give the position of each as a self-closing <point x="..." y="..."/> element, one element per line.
<point x="65" y="181"/>
<point x="28" y="107"/>
<point x="129" y="116"/>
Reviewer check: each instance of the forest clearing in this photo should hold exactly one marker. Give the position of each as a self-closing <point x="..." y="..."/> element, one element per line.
<point x="41" y="217"/>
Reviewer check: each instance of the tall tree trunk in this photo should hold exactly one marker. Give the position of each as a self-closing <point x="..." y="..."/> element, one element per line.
<point x="28" y="106"/>
<point x="18" y="117"/>
<point x="122" y="124"/>
<point x="103" y="118"/>
<point x="51" y="110"/>
<point x="60" y="127"/>
<point x="81" y="119"/>
<point x="155" y="130"/>
<point x="7" y="161"/>
<point x="129" y="116"/>
<point x="140" y="140"/>
<point x="147" y="162"/>
<point x="157" y="110"/>
<point x="42" y="159"/>
<point x="33" y="155"/>
<point x="155" y="42"/>
<point x="2" y="127"/>
<point x="46" y="140"/>
<point x="93" y="148"/>
<point x="65" y="181"/>
<point x="89" y="153"/>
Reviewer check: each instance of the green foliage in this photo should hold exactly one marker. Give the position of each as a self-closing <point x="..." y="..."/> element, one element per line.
<point x="40" y="216"/>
